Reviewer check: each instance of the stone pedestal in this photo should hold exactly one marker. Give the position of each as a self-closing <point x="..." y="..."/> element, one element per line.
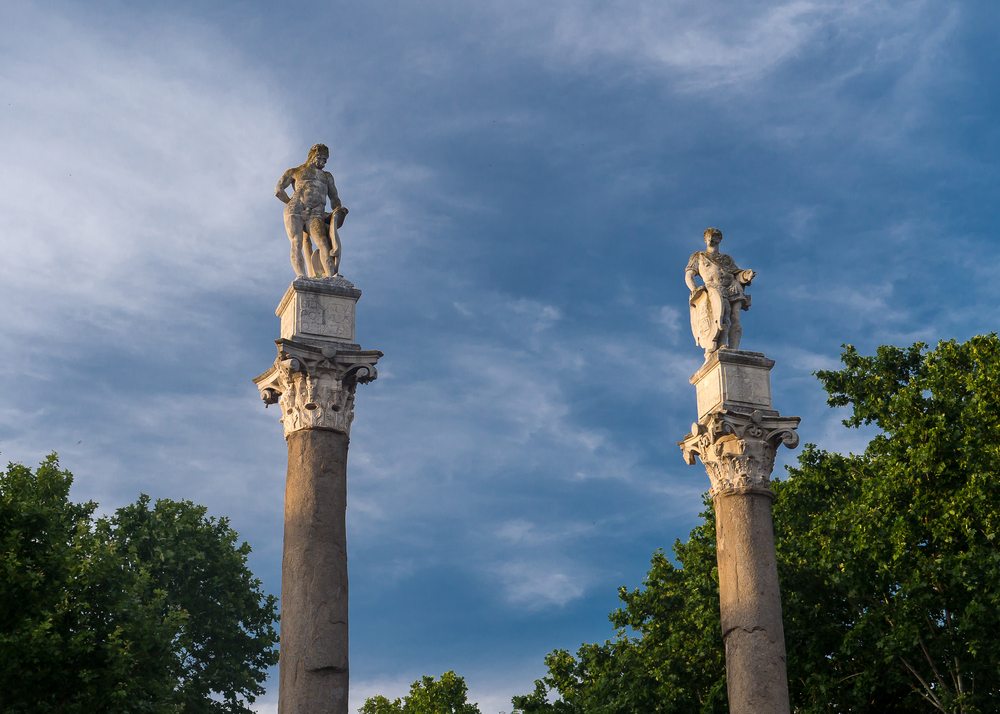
<point x="736" y="436"/>
<point x="313" y="382"/>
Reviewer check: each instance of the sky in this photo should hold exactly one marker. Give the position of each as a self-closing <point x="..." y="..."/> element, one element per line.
<point x="526" y="181"/>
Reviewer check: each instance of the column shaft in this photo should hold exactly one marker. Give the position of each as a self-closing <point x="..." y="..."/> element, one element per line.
<point x="750" y="604"/>
<point x="314" y="594"/>
<point x="313" y="383"/>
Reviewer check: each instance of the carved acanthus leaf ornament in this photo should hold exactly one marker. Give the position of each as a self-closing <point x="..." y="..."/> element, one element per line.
<point x="314" y="387"/>
<point x="738" y="449"/>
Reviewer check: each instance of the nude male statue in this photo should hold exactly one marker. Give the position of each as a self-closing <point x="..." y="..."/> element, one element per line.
<point x="306" y="216"/>
<point x="715" y="307"/>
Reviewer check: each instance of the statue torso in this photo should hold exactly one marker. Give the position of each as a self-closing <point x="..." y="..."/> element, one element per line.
<point x="714" y="268"/>
<point x="312" y="186"/>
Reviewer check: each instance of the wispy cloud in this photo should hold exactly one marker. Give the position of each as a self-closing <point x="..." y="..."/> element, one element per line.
<point x="525" y="533"/>
<point x="539" y="584"/>
<point x="706" y="46"/>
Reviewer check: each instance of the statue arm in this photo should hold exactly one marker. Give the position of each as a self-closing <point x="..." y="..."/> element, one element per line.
<point x="286" y="180"/>
<point x="334" y="196"/>
<point x="743" y="276"/>
<point x="690" y="272"/>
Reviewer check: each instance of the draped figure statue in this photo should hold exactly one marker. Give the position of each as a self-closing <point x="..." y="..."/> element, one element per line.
<point x="716" y="305"/>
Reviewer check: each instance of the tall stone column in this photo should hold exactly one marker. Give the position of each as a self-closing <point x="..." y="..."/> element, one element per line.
<point x="736" y="436"/>
<point x="313" y="382"/>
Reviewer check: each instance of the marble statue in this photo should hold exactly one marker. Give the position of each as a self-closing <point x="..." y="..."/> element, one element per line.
<point x="306" y="217"/>
<point x="716" y="305"/>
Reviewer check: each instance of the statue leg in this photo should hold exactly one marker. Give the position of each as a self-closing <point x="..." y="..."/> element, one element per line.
<point x="307" y="248"/>
<point x="725" y="334"/>
<point x="317" y="228"/>
<point x="293" y="224"/>
<point x="735" y="329"/>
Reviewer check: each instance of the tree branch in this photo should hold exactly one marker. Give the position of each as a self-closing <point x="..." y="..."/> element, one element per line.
<point x="927" y="655"/>
<point x="929" y="695"/>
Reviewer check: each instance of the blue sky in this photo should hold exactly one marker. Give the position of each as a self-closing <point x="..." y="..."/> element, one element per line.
<point x="526" y="181"/>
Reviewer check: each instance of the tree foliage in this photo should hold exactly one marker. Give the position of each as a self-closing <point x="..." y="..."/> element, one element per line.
<point x="445" y="696"/>
<point x="909" y="552"/>
<point x="888" y="561"/>
<point x="150" y="610"/>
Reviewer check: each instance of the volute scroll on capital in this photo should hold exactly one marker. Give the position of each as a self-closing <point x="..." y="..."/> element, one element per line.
<point x="738" y="449"/>
<point x="314" y="387"/>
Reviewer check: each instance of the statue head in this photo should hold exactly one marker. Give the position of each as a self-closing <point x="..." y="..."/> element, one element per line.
<point x="713" y="236"/>
<point x="318" y="155"/>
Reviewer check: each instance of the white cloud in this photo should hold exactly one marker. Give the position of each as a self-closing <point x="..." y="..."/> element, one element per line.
<point x="806" y="361"/>
<point x="524" y="533"/>
<point x="703" y="45"/>
<point x="722" y="51"/>
<point x="697" y="39"/>
<point x="138" y="179"/>
<point x="669" y="318"/>
<point x="134" y="179"/>
<point x="539" y="584"/>
<point x="516" y="531"/>
<point x="538" y="316"/>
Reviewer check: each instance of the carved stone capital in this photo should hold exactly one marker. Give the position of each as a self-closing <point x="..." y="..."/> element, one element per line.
<point x="738" y="449"/>
<point x="314" y="386"/>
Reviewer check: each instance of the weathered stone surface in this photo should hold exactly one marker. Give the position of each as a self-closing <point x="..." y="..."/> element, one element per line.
<point x="736" y="437"/>
<point x="314" y="386"/>
<point x="306" y="217"/>
<point x="734" y="380"/>
<point x="313" y="381"/>
<point x="320" y="311"/>
<point x="313" y="669"/>
<point x="715" y="306"/>
<point x="750" y="604"/>
<point x="737" y="449"/>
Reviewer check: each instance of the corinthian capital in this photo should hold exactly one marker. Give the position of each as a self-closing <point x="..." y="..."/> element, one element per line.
<point x="314" y="386"/>
<point x="738" y="449"/>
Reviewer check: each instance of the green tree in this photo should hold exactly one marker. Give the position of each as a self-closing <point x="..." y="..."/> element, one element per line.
<point x="445" y="696"/>
<point x="226" y="641"/>
<point x="151" y="610"/>
<point x="909" y="552"/>
<point x="73" y="637"/>
<point x="889" y="564"/>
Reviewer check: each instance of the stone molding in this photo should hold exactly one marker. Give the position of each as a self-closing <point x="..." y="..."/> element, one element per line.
<point x="337" y="285"/>
<point x="320" y="311"/>
<point x="736" y="381"/>
<point x="314" y="386"/>
<point x="738" y="449"/>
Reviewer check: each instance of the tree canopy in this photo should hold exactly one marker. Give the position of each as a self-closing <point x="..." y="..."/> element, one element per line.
<point x="150" y="610"/>
<point x="427" y="696"/>
<point x="888" y="562"/>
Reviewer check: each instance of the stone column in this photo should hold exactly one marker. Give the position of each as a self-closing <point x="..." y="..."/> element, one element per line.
<point x="313" y="381"/>
<point x="736" y="436"/>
